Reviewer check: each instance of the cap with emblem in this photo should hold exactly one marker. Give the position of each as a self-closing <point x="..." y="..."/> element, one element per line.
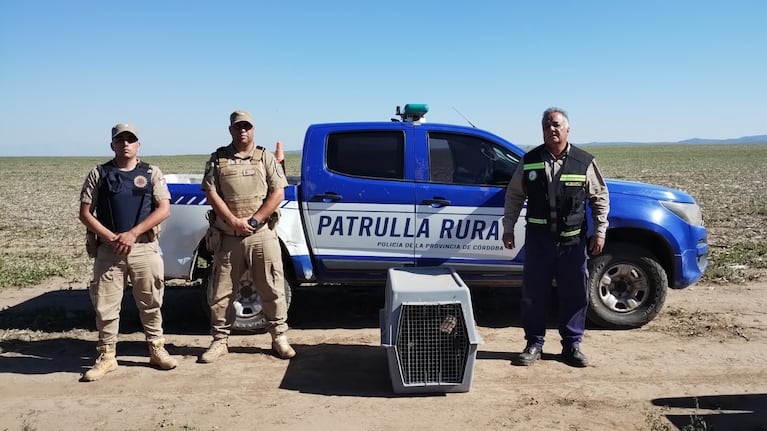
<point x="239" y="116"/>
<point x="124" y="127"/>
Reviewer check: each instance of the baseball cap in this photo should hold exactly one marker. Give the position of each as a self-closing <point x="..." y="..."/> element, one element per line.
<point x="124" y="127"/>
<point x="237" y="116"/>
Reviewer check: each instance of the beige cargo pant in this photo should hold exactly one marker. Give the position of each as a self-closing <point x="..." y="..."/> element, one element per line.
<point x="260" y="255"/>
<point x="145" y="269"/>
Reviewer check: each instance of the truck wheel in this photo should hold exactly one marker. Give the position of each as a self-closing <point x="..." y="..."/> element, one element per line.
<point x="249" y="316"/>
<point x="627" y="287"/>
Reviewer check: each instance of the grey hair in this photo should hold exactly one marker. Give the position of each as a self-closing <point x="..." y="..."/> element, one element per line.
<point x="554" y="109"/>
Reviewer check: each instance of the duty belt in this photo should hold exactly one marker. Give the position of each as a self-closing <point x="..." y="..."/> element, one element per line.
<point x="143" y="238"/>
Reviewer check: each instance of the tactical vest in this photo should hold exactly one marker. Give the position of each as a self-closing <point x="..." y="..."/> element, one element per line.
<point x="570" y="199"/>
<point x="241" y="183"/>
<point x="124" y="198"/>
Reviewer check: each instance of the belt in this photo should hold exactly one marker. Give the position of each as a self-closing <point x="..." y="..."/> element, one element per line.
<point x="143" y="238"/>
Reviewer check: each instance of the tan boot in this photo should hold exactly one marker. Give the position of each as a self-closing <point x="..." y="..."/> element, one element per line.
<point x="216" y="350"/>
<point x="160" y="357"/>
<point x="282" y="347"/>
<point x="105" y="363"/>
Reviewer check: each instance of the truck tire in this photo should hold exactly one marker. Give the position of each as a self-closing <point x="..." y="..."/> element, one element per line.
<point x="626" y="287"/>
<point x="249" y="317"/>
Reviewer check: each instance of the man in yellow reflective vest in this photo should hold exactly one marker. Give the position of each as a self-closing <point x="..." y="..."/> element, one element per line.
<point x="558" y="180"/>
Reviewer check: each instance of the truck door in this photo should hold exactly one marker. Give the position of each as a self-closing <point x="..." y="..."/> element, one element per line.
<point x="461" y="200"/>
<point x="358" y="202"/>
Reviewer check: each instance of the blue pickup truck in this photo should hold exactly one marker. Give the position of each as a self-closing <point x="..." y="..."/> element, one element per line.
<point x="408" y="193"/>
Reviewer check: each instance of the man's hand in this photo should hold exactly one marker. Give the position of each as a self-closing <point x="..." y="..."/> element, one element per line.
<point x="596" y="245"/>
<point x="241" y="226"/>
<point x="508" y="240"/>
<point x="123" y="242"/>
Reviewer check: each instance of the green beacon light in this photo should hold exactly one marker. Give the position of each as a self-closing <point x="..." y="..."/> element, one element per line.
<point x="414" y="113"/>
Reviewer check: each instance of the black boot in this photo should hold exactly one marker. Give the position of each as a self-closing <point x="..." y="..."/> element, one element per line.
<point x="529" y="355"/>
<point x="573" y="357"/>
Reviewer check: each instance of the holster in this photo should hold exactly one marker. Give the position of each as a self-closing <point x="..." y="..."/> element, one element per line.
<point x="91" y="243"/>
<point x="213" y="234"/>
<point x="213" y="239"/>
<point x="274" y="218"/>
<point x="153" y="233"/>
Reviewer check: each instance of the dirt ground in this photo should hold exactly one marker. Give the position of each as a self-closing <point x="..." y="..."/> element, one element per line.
<point x="703" y="361"/>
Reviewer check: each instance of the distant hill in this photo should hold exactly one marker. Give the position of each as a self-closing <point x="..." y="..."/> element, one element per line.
<point x="756" y="139"/>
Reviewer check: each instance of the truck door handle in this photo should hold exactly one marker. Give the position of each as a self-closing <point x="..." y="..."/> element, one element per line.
<point x="328" y="197"/>
<point x="436" y="202"/>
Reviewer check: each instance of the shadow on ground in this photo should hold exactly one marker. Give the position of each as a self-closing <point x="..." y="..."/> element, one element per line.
<point x="327" y="307"/>
<point x="339" y="370"/>
<point x="718" y="412"/>
<point x="65" y="310"/>
<point x="312" y="308"/>
<point x="64" y="355"/>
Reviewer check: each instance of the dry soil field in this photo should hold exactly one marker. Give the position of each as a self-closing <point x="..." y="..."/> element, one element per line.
<point x="704" y="359"/>
<point x="701" y="365"/>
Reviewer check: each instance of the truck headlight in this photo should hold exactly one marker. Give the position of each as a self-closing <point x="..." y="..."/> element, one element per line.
<point x="689" y="212"/>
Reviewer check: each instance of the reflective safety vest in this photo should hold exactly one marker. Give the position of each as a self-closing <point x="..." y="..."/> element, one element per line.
<point x="570" y="198"/>
<point x="124" y="198"/>
<point x="241" y="183"/>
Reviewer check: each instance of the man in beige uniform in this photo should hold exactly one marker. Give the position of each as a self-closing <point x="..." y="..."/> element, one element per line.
<point x="245" y="185"/>
<point x="122" y="203"/>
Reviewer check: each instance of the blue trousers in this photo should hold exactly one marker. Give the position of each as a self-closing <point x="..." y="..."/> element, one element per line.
<point x="545" y="261"/>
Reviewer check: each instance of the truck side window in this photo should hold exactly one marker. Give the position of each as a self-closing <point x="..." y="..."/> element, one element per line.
<point x="463" y="159"/>
<point x="367" y="154"/>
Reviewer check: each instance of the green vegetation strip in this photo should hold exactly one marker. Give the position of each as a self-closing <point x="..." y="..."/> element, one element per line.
<point x="30" y="268"/>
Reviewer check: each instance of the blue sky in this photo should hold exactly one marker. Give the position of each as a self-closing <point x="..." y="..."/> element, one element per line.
<point x="641" y="71"/>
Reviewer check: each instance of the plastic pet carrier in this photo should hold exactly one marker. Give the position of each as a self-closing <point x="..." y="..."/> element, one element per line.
<point x="428" y="330"/>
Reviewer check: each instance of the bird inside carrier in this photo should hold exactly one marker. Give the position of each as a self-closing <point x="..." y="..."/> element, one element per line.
<point x="428" y="330"/>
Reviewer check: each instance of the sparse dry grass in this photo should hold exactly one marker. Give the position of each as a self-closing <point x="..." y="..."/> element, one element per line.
<point x="728" y="183"/>
<point x="40" y="235"/>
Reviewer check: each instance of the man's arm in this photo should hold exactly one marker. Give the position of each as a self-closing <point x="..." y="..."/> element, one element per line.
<point x="88" y="195"/>
<point x="276" y="183"/>
<point x="270" y="204"/>
<point x="599" y="202"/>
<point x="514" y="200"/>
<point x="93" y="224"/>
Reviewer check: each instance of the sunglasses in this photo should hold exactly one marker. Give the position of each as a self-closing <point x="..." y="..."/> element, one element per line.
<point x="242" y="125"/>
<point x="129" y="137"/>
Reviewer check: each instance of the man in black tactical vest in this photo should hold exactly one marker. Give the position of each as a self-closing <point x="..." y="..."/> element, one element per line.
<point x="558" y="179"/>
<point x="122" y="204"/>
<point x="244" y="184"/>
